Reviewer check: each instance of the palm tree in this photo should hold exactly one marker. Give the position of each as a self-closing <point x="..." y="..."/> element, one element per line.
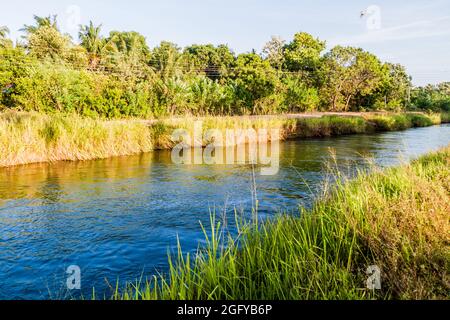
<point x="4" y="31"/>
<point x="4" y="41"/>
<point x="129" y="43"/>
<point x="92" y="41"/>
<point x="49" y="21"/>
<point x="90" y="38"/>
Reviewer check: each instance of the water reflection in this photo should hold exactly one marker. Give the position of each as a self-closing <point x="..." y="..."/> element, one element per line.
<point x="117" y="217"/>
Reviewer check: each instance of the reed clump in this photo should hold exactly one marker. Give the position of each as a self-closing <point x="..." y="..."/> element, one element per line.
<point x="34" y="137"/>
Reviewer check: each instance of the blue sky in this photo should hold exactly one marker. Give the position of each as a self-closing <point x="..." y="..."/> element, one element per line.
<point x="413" y="33"/>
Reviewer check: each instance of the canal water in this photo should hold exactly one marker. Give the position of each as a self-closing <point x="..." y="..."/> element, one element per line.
<point x="118" y="218"/>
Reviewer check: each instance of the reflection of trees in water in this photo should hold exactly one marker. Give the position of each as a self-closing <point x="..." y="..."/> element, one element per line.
<point x="315" y="154"/>
<point x="50" y="190"/>
<point x="50" y="180"/>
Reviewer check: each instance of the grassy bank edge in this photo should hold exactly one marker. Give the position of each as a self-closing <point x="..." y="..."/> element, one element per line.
<point x="33" y="137"/>
<point x="396" y="219"/>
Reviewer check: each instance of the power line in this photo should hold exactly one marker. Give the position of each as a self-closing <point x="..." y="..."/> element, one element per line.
<point x="211" y="71"/>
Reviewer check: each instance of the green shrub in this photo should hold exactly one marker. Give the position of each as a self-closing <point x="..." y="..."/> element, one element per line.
<point x="299" y="97"/>
<point x="207" y="96"/>
<point x="14" y="64"/>
<point x="49" y="89"/>
<point x="419" y="120"/>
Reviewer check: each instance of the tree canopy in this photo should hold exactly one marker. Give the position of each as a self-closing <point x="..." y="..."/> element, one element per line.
<point x="119" y="74"/>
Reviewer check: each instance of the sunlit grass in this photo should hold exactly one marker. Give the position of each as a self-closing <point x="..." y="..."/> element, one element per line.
<point x="35" y="137"/>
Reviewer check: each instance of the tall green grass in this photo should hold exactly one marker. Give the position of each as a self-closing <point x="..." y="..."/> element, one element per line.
<point x="396" y="219"/>
<point x="330" y="126"/>
<point x="445" y="117"/>
<point x="402" y="121"/>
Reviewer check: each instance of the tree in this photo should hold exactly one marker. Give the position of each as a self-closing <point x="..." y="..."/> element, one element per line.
<point x="129" y="44"/>
<point x="4" y="31"/>
<point x="47" y="42"/>
<point x="167" y="60"/>
<point x="254" y="77"/>
<point x="273" y="52"/>
<point x="349" y="72"/>
<point x="215" y="62"/>
<point x="4" y="41"/>
<point x="444" y="88"/>
<point x="126" y="53"/>
<point x="49" y="21"/>
<point x="394" y="88"/>
<point x="432" y="97"/>
<point x="303" y="53"/>
<point x="14" y="65"/>
<point x="92" y="41"/>
<point x="298" y="96"/>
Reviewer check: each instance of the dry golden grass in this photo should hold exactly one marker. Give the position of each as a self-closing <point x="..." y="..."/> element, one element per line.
<point x="32" y="137"/>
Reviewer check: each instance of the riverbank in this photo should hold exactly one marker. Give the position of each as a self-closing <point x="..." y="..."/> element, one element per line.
<point x="395" y="219"/>
<point x="33" y="137"/>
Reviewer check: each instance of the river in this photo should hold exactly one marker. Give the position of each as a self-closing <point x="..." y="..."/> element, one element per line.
<point x="117" y="218"/>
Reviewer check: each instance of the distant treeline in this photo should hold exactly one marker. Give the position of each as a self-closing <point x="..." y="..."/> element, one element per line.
<point x="120" y="76"/>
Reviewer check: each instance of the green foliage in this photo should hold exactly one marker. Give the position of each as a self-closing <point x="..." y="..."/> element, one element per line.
<point x="303" y="53"/>
<point x="120" y="76"/>
<point x="303" y="56"/>
<point x="350" y="73"/>
<point x="4" y="41"/>
<point x="214" y="62"/>
<point x="273" y="51"/>
<point x="167" y="60"/>
<point x="47" y="22"/>
<point x="14" y="64"/>
<point x="129" y="44"/>
<point x="255" y="79"/>
<point x="209" y="97"/>
<point x="47" y="42"/>
<point x="432" y="97"/>
<point x="49" y="89"/>
<point x="93" y="43"/>
<point x="300" y="97"/>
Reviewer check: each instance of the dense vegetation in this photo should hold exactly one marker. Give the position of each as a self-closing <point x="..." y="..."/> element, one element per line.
<point x="396" y="219"/>
<point x="121" y="76"/>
